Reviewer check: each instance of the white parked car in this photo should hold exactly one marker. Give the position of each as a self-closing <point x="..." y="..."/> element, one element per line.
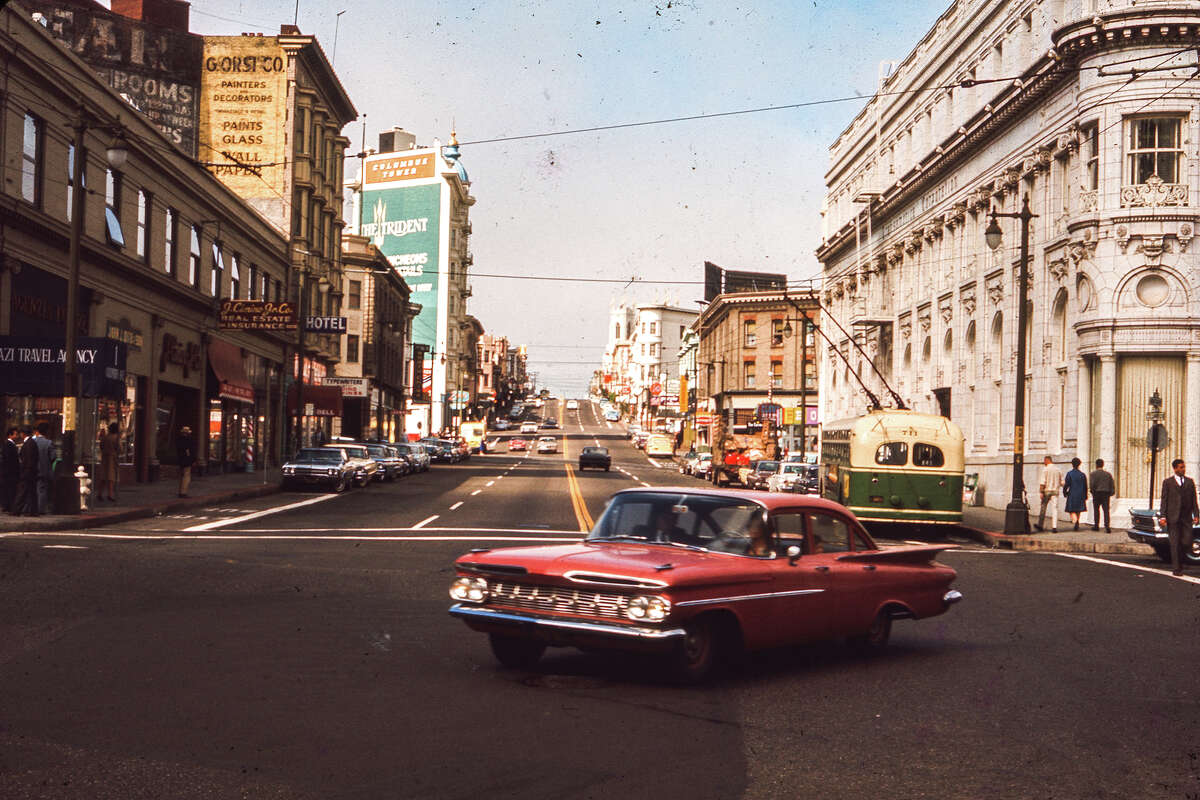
<point x="785" y="479"/>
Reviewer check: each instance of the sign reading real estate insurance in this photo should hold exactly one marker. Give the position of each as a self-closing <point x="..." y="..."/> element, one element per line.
<point x="257" y="315"/>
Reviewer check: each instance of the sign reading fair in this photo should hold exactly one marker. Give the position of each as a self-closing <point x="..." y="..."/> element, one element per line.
<point x="403" y="222"/>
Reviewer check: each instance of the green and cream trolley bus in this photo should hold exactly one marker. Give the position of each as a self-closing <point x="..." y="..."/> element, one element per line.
<point x="895" y="466"/>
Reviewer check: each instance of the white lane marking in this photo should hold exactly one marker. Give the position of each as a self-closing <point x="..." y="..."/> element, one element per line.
<point x="645" y="484"/>
<point x="267" y="537"/>
<point x="420" y="524"/>
<point x="654" y="463"/>
<point x="491" y="483"/>
<point x="477" y="491"/>
<point x="221" y="523"/>
<point x="63" y="547"/>
<point x="456" y="505"/>
<point x="500" y="477"/>
<point x="1122" y="564"/>
<point x="997" y="551"/>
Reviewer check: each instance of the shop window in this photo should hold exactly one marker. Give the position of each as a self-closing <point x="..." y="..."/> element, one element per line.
<point x="112" y="209"/>
<point x="194" y="258"/>
<point x="748" y="378"/>
<point x="143" y="224"/>
<point x="354" y="300"/>
<point x="218" y="271"/>
<point x="776" y="374"/>
<point x="170" y="221"/>
<point x="32" y="160"/>
<point x="1155" y="149"/>
<point x="351" y="349"/>
<point x="749" y="336"/>
<point x="235" y="276"/>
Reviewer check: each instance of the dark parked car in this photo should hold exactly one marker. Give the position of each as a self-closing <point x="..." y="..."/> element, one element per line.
<point x="391" y="465"/>
<point x="760" y="473"/>
<point x="326" y="467"/>
<point x="595" y="457"/>
<point x="416" y="455"/>
<point x="1147" y="531"/>
<point x="366" y="469"/>
<point x="441" y="451"/>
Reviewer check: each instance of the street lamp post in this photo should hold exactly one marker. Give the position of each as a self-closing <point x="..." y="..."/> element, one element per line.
<point x="1156" y="438"/>
<point x="787" y="332"/>
<point x="1016" y="514"/>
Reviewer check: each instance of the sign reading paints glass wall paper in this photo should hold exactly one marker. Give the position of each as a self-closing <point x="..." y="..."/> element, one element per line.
<point x="403" y="222"/>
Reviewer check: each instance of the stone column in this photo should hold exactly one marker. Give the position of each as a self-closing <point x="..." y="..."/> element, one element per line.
<point x="1083" y="413"/>
<point x="1191" y="412"/>
<point x="1108" y="411"/>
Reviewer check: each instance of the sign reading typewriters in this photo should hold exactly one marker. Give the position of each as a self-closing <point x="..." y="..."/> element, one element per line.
<point x="351" y="387"/>
<point x="257" y="315"/>
<point x="325" y="324"/>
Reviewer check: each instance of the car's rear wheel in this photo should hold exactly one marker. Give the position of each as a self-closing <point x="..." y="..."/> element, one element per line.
<point x="340" y="486"/>
<point x="876" y="637"/>
<point x="516" y="653"/>
<point x="695" y="657"/>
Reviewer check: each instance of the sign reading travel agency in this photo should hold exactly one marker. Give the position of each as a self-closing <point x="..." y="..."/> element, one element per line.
<point x="404" y="223"/>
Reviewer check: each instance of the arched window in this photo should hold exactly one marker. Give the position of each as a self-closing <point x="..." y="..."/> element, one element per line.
<point x="907" y="357"/>
<point x="1059" y="328"/>
<point x="617" y="331"/>
<point x="996" y="346"/>
<point x="948" y="345"/>
<point x="926" y="349"/>
<point x="971" y="339"/>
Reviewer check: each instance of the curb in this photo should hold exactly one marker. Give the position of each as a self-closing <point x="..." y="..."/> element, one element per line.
<point x="1049" y="545"/>
<point x="31" y="524"/>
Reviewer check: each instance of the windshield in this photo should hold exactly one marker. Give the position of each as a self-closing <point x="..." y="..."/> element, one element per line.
<point x="378" y="451"/>
<point x="714" y="523"/>
<point x="319" y="456"/>
<point x="768" y="466"/>
<point x="793" y="469"/>
<point x="355" y="452"/>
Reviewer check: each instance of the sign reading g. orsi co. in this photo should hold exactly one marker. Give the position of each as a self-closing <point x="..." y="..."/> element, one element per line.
<point x="257" y="315"/>
<point x="325" y="324"/>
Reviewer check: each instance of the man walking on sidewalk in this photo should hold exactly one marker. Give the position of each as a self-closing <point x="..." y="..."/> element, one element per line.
<point x="185" y="451"/>
<point x="26" y="501"/>
<point x="1103" y="487"/>
<point x="10" y="468"/>
<point x="1049" y="485"/>
<point x="1178" y="511"/>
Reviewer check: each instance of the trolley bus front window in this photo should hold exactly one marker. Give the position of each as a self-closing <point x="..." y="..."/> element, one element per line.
<point x="892" y="454"/>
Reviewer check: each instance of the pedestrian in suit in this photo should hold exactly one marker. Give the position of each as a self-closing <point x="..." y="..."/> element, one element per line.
<point x="1049" y="486"/>
<point x="10" y="468"/>
<point x="45" y="466"/>
<point x="1075" y="488"/>
<point x="26" y="502"/>
<point x="1178" y="510"/>
<point x="1103" y="487"/>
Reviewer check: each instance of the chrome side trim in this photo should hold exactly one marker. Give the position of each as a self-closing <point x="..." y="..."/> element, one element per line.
<point x="951" y="597"/>
<point x="489" y="615"/>
<point x="740" y="597"/>
<point x="582" y="576"/>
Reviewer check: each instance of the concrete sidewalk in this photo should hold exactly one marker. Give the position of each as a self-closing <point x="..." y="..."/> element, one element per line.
<point x="986" y="525"/>
<point x="142" y="500"/>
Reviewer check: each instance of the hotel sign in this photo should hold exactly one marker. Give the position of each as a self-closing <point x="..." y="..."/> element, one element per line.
<point x="257" y="315"/>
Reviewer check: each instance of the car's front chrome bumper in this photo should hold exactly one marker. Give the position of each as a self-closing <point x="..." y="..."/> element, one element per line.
<point x="951" y="597"/>
<point x="566" y="631"/>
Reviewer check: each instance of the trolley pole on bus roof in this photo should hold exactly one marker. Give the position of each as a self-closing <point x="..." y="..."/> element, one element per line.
<point x="1016" y="514"/>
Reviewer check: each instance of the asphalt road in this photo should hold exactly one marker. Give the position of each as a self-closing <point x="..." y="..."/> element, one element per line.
<point x="307" y="653"/>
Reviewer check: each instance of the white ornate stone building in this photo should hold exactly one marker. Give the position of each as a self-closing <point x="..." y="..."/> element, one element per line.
<point x="1089" y="108"/>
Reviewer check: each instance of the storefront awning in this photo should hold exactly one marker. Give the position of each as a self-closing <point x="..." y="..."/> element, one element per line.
<point x="325" y="400"/>
<point x="226" y="361"/>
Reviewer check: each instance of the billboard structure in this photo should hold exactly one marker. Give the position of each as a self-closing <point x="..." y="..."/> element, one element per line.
<point x="155" y="69"/>
<point x="718" y="280"/>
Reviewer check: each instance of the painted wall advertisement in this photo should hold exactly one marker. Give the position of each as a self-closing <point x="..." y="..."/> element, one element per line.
<point x="155" y="69"/>
<point x="403" y="222"/>
<point x="243" y="99"/>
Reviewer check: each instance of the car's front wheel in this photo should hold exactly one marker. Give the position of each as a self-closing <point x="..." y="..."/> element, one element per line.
<point x="695" y="657"/>
<point x="516" y="653"/>
<point x="340" y="486"/>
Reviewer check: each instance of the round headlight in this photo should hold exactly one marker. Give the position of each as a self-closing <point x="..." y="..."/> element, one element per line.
<point x="288" y="470"/>
<point x="647" y="608"/>
<point x="469" y="590"/>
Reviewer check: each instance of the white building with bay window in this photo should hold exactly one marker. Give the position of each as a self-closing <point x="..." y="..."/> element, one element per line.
<point x="1088" y="108"/>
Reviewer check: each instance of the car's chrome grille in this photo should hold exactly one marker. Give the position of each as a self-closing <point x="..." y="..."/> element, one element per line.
<point x="559" y="599"/>
<point x="1144" y="522"/>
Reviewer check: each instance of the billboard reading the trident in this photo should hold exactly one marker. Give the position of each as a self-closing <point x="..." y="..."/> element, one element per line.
<point x="403" y="222"/>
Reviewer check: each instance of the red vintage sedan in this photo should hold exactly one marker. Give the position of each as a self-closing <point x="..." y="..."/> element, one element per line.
<point x="699" y="575"/>
<point x="517" y="444"/>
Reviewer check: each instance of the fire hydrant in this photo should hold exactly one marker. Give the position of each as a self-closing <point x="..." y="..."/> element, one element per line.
<point x="85" y="487"/>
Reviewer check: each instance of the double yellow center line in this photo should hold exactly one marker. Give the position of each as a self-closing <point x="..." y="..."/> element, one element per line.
<point x="581" y="511"/>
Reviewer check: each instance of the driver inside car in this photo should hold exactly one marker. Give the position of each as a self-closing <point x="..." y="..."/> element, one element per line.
<point x="666" y="528"/>
<point x="760" y="538"/>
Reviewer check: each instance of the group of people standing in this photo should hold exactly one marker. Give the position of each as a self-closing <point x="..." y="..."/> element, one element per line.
<point x="26" y="470"/>
<point x="1075" y="486"/>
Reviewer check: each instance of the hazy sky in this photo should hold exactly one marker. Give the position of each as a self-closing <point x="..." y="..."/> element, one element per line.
<point x="653" y="202"/>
